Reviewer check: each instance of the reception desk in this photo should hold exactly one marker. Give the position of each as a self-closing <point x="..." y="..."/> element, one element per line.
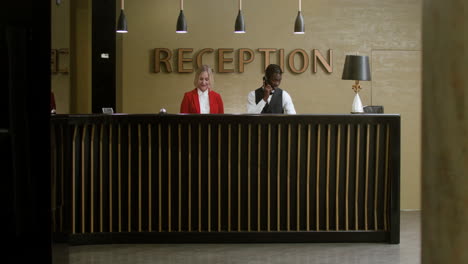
<point x="226" y="178"/>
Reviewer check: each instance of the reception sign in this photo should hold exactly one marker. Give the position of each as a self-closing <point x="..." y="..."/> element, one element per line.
<point x="184" y="58"/>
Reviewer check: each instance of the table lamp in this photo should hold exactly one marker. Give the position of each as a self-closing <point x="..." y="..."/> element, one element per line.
<point x="356" y="68"/>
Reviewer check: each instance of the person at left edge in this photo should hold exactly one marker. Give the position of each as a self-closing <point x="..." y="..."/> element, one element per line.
<point x="52" y="103"/>
<point x="202" y="99"/>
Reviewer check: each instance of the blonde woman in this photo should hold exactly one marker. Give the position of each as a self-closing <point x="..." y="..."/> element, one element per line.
<point x="202" y="99"/>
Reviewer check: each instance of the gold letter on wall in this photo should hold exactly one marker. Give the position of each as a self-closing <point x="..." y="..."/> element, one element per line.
<point x="267" y="55"/>
<point x="200" y="55"/>
<point x="221" y="60"/>
<point x="328" y="66"/>
<point x="158" y="60"/>
<point x="305" y="59"/>
<point x="242" y="59"/>
<point x="181" y="60"/>
<point x="281" y="59"/>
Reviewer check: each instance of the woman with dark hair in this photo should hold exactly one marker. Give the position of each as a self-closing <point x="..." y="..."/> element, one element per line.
<point x="202" y="99"/>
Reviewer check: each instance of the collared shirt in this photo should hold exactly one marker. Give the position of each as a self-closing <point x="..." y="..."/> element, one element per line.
<point x="253" y="108"/>
<point x="204" y="101"/>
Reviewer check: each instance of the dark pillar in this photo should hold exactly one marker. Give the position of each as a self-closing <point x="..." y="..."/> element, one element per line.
<point x="103" y="52"/>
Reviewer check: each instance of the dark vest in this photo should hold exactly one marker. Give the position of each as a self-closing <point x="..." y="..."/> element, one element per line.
<point x="276" y="103"/>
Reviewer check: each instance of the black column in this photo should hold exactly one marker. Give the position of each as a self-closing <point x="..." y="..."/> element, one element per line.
<point x="103" y="52"/>
<point x="24" y="131"/>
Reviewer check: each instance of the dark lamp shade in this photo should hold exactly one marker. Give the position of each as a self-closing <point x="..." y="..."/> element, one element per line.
<point x="240" y="25"/>
<point x="122" y="23"/>
<point x="181" y="23"/>
<point x="356" y="67"/>
<point x="299" y="24"/>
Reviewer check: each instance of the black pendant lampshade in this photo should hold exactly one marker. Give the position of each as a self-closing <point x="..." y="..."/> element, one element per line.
<point x="181" y="21"/>
<point x="122" y="23"/>
<point x="299" y="24"/>
<point x="240" y="25"/>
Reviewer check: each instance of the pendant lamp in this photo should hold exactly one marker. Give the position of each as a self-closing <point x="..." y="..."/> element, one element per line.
<point x="240" y="25"/>
<point x="181" y="22"/>
<point x="122" y="23"/>
<point x="299" y="24"/>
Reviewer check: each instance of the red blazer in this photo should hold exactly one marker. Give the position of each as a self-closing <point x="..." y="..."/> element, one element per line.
<point x="191" y="104"/>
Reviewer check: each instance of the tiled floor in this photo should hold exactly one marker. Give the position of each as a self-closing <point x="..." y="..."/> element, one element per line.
<point x="408" y="251"/>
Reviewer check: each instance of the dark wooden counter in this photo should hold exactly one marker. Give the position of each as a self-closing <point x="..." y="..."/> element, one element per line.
<point x="226" y="178"/>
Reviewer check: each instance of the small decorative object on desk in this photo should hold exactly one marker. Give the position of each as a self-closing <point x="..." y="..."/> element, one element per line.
<point x="162" y="111"/>
<point x="107" y="110"/>
<point x="377" y="109"/>
<point x="356" y="68"/>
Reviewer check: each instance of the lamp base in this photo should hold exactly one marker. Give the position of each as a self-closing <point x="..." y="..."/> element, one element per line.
<point x="357" y="105"/>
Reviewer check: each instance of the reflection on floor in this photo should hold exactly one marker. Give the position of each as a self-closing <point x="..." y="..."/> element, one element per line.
<point x="408" y="251"/>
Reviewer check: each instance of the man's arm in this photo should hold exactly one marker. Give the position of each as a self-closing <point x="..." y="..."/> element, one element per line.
<point x="288" y="105"/>
<point x="252" y="107"/>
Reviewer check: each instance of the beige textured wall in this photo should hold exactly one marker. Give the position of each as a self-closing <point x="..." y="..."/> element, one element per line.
<point x="80" y="57"/>
<point x="60" y="39"/>
<point x="388" y="31"/>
